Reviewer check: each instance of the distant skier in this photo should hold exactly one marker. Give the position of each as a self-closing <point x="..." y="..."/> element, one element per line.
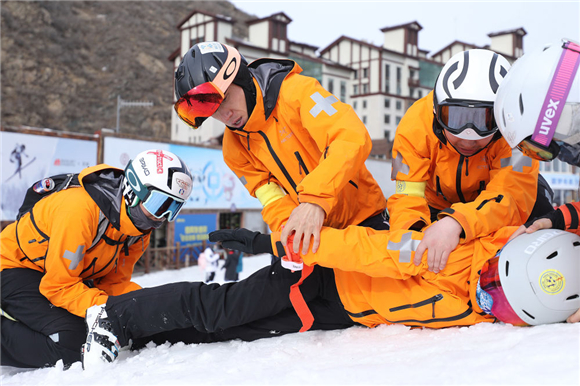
<point x="211" y="264"/>
<point x="16" y="157"/>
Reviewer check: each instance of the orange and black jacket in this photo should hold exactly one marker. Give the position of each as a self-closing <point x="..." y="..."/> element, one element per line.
<point x="483" y="192"/>
<point x="378" y="282"/>
<point x="78" y="234"/>
<point x="301" y="144"/>
<point x="570" y="217"/>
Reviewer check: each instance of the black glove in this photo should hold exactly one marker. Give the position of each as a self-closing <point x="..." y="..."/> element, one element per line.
<point x="242" y="240"/>
<point x="556" y="216"/>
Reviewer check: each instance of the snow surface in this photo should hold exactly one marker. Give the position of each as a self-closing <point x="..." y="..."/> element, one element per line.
<point x="485" y="354"/>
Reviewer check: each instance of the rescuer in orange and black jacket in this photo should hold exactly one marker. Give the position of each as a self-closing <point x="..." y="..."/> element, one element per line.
<point x="293" y="144"/>
<point x="452" y="167"/>
<point x="72" y="249"/>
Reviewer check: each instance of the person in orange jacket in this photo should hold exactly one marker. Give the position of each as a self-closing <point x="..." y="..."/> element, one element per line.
<point x="452" y="167"/>
<point x="531" y="85"/>
<point x="74" y="246"/>
<point x="360" y="276"/>
<point x="293" y="144"/>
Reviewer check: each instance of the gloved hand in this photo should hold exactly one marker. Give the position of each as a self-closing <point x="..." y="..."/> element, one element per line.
<point x="556" y="216"/>
<point x="242" y="240"/>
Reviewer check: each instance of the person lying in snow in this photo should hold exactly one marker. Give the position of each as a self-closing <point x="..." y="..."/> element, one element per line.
<point x="358" y="276"/>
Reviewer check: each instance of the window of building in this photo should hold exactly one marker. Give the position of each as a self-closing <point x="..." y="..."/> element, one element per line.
<point x="387" y="134"/>
<point x="365" y="88"/>
<point x="365" y="72"/>
<point x="200" y="39"/>
<point x="331" y="86"/>
<point x="387" y="78"/>
<point x="387" y="103"/>
<point x="399" y="105"/>
<point x="387" y="119"/>
<point x="343" y="91"/>
<point x="229" y="220"/>
<point x="420" y="93"/>
<point x="364" y="119"/>
<point x="556" y="164"/>
<point x="356" y="74"/>
<point x="354" y="104"/>
<point x="355" y="89"/>
<point x="364" y="104"/>
<point x="399" y="73"/>
<point x="397" y="120"/>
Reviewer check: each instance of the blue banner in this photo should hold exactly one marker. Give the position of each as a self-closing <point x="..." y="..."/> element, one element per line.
<point x="193" y="229"/>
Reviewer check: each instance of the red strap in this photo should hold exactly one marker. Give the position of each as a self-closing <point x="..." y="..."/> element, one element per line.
<point x="298" y="301"/>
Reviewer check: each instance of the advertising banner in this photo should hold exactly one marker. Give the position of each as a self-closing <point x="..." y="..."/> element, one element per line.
<point x="193" y="229"/>
<point x="215" y="186"/>
<point x="26" y="158"/>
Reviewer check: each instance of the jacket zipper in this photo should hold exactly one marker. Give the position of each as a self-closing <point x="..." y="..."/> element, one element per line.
<point x="278" y="161"/>
<point x="432" y="300"/>
<point x="301" y="164"/>
<point x="458" y="179"/>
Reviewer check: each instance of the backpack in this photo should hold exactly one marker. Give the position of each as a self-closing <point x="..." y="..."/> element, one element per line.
<point x="45" y="187"/>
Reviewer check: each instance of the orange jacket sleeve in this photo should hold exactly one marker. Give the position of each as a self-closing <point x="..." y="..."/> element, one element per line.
<point x="72" y="229"/>
<point x="411" y="169"/>
<point x="119" y="282"/>
<point x="507" y="200"/>
<point x="339" y="134"/>
<point x="571" y="213"/>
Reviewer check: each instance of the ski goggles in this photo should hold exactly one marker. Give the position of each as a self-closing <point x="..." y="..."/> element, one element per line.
<point x="490" y="283"/>
<point x="199" y="103"/>
<point x="538" y="151"/>
<point x="161" y="204"/>
<point x="467" y="119"/>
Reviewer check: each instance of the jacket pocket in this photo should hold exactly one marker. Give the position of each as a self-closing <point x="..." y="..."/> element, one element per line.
<point x="431" y="301"/>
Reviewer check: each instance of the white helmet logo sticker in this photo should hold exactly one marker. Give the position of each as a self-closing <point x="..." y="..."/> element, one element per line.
<point x="208" y="47"/>
<point x="159" y="162"/>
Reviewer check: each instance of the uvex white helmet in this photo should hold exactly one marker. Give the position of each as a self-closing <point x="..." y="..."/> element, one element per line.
<point x="535" y="278"/>
<point x="538" y="103"/>
<point x="465" y="92"/>
<point x="160" y="180"/>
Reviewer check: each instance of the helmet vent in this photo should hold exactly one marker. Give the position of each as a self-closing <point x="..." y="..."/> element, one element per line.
<point x="552" y="256"/>
<point x="521" y="106"/>
<point x="527" y="313"/>
<point x="576" y="243"/>
<point x="573" y="297"/>
<point x="507" y="268"/>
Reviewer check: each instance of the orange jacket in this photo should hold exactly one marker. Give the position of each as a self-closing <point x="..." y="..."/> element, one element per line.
<point x="378" y="282"/>
<point x="571" y="213"/>
<point x="71" y="221"/>
<point x="483" y="192"/>
<point x="299" y="145"/>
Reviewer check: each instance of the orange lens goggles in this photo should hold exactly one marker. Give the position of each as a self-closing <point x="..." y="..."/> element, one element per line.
<point x="199" y="103"/>
<point x="536" y="151"/>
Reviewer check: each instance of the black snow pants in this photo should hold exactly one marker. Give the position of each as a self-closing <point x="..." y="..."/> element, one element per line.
<point x="43" y="334"/>
<point x="254" y="308"/>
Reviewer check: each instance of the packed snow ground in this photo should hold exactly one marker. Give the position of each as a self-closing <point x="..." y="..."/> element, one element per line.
<point x="485" y="354"/>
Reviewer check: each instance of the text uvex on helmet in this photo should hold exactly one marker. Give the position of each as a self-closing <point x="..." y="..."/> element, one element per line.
<point x="535" y="278"/>
<point x="465" y="91"/>
<point x="538" y="103"/>
<point x="160" y="180"/>
<point x="202" y="78"/>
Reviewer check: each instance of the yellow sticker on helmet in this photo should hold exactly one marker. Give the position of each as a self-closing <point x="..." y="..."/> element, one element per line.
<point x="552" y="282"/>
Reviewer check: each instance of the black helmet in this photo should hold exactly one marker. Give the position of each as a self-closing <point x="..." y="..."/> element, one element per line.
<point x="205" y="62"/>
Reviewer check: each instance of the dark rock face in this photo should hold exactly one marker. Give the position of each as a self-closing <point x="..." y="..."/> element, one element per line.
<point x="64" y="63"/>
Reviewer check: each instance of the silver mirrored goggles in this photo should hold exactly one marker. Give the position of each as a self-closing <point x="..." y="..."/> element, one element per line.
<point x="458" y="115"/>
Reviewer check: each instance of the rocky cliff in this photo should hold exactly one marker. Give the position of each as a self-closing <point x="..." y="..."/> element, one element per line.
<point x="63" y="63"/>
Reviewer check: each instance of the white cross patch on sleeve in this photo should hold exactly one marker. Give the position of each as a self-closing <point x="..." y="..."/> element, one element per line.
<point x="323" y="104"/>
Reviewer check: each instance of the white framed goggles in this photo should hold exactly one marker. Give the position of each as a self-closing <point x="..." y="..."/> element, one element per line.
<point x="161" y="204"/>
<point x="467" y="119"/>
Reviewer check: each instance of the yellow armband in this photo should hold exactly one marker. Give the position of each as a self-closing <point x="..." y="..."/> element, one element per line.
<point x="416" y="189"/>
<point x="269" y="193"/>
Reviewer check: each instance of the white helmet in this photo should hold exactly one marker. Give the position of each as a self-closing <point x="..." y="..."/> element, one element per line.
<point x="532" y="108"/>
<point x="537" y="278"/>
<point x="465" y="92"/>
<point x="160" y="180"/>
